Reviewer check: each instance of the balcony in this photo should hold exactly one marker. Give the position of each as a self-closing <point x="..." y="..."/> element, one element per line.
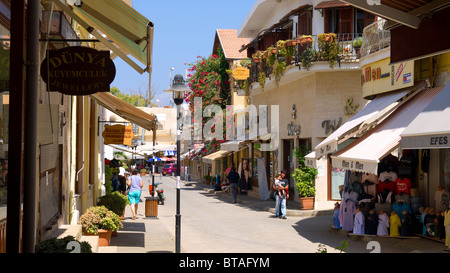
<point x="375" y="38"/>
<point x="329" y="48"/>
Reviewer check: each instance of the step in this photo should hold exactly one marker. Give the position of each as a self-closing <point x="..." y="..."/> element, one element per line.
<point x="92" y="240"/>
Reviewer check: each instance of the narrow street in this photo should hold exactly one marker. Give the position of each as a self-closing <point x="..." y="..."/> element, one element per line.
<point x="211" y="224"/>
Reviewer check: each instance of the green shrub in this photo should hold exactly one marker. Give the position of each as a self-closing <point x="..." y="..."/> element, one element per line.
<point x="54" y="245"/>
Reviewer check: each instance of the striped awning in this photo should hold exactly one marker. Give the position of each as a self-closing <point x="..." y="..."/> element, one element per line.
<point x="372" y="110"/>
<point x="431" y="128"/>
<point x="130" y="32"/>
<point x="364" y="154"/>
<point x="125" y="110"/>
<point x="214" y="156"/>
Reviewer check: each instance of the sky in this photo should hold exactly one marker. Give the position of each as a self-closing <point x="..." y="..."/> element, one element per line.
<point x="183" y="30"/>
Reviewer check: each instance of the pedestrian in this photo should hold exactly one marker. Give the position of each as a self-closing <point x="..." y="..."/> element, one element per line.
<point x="280" y="202"/>
<point x="135" y="185"/>
<point x="233" y="180"/>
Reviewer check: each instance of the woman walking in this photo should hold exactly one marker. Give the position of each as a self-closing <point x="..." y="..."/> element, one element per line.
<point x="134" y="194"/>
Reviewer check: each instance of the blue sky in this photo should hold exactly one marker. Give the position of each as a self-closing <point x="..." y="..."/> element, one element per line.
<point x="183" y="30"/>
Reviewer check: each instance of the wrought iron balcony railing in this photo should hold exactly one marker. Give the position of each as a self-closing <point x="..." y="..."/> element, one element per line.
<point x="329" y="47"/>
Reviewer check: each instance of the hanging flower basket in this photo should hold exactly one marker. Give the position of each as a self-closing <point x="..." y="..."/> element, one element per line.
<point x="291" y="43"/>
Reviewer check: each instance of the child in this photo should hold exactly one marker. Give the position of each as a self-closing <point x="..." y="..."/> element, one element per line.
<point x="278" y="184"/>
<point x="336" y="222"/>
<point x="359" y="222"/>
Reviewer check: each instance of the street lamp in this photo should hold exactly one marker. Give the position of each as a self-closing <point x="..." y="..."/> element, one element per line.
<point x="178" y="89"/>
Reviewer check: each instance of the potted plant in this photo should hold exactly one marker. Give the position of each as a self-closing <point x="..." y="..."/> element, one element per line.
<point x="356" y="43"/>
<point x="98" y="220"/>
<point x="328" y="48"/>
<point x="115" y="201"/>
<point x="304" y="178"/>
<point x="208" y="179"/>
<point x="55" y="245"/>
<point x="307" y="57"/>
<point x="305" y="39"/>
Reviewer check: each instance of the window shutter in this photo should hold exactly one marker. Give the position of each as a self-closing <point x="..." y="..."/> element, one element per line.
<point x="305" y="23"/>
<point x="346" y="20"/>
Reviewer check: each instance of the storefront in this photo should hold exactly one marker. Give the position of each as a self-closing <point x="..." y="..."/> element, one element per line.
<point x="429" y="135"/>
<point x="381" y="178"/>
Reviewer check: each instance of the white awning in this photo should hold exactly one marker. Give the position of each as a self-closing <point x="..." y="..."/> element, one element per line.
<point x="372" y="110"/>
<point x="365" y="153"/>
<point x="310" y="160"/>
<point x="431" y="128"/>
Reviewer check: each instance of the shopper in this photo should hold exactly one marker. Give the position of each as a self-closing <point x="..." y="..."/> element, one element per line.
<point x="134" y="195"/>
<point x="233" y="180"/>
<point x="280" y="202"/>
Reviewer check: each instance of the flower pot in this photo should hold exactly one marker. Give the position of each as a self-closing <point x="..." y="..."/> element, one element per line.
<point x="307" y="203"/>
<point x="274" y="50"/>
<point x="104" y="236"/>
<point x="291" y="43"/>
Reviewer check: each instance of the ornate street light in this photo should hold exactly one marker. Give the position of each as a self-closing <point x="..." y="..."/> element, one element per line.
<point x="178" y="88"/>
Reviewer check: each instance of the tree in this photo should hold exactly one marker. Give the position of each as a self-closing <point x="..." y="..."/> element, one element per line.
<point x="137" y="100"/>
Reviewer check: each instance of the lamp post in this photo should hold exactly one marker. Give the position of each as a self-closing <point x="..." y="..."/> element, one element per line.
<point x="178" y="89"/>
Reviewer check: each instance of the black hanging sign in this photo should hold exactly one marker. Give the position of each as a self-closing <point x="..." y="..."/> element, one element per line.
<point x="78" y="70"/>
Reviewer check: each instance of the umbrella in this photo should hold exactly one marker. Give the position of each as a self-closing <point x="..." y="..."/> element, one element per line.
<point x="156" y="159"/>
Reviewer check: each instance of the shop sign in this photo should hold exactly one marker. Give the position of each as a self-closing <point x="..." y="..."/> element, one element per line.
<point x="380" y="77"/>
<point x="241" y="73"/>
<point x="118" y="134"/>
<point x="425" y="142"/>
<point x="78" y="70"/>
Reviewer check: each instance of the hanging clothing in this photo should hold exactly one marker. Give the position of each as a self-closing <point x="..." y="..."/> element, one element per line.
<point x="447" y="227"/>
<point x="346" y="215"/>
<point x="406" y="227"/>
<point x="372" y="223"/>
<point x="383" y="224"/>
<point x="402" y="185"/>
<point x="391" y="176"/>
<point x="336" y="222"/>
<point x="394" y="225"/>
<point x="359" y="223"/>
<point x="400" y="207"/>
<point x="370" y="182"/>
<point x="390" y="186"/>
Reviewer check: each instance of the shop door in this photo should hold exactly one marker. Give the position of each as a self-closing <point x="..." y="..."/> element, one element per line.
<point x="288" y="162"/>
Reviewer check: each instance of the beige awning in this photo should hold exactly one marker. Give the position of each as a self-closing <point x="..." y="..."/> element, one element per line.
<point x="214" y="156"/>
<point x="125" y="110"/>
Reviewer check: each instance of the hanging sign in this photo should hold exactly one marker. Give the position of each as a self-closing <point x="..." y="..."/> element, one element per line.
<point x="241" y="73"/>
<point x="78" y="70"/>
<point x="118" y="134"/>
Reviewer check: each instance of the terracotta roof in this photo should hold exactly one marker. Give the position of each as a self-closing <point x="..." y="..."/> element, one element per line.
<point x="331" y="4"/>
<point x="230" y="43"/>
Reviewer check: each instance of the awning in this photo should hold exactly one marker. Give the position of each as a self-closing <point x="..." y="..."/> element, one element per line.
<point x="310" y="159"/>
<point x="233" y="145"/>
<point x="365" y="153"/>
<point x="213" y="156"/>
<point x="374" y="109"/>
<point x="130" y="31"/>
<point x="331" y="4"/>
<point x="431" y="128"/>
<point x="125" y="110"/>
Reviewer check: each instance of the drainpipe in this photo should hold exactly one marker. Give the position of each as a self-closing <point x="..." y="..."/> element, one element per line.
<point x="30" y="130"/>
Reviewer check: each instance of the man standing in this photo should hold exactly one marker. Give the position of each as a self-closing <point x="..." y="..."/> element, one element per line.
<point x="233" y="180"/>
<point x="280" y="202"/>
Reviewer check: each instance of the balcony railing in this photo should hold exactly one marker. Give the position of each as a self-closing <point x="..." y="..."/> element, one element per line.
<point x="375" y="38"/>
<point x="341" y="48"/>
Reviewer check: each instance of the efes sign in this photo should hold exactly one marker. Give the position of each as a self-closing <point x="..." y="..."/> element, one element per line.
<point x="78" y="70"/>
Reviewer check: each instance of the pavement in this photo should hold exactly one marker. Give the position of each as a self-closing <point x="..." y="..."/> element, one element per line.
<point x="150" y="235"/>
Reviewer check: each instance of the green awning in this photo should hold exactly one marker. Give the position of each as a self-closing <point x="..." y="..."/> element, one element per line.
<point x="121" y="23"/>
<point x="130" y="32"/>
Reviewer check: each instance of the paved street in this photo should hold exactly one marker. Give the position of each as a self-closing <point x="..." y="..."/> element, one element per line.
<point x="211" y="224"/>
